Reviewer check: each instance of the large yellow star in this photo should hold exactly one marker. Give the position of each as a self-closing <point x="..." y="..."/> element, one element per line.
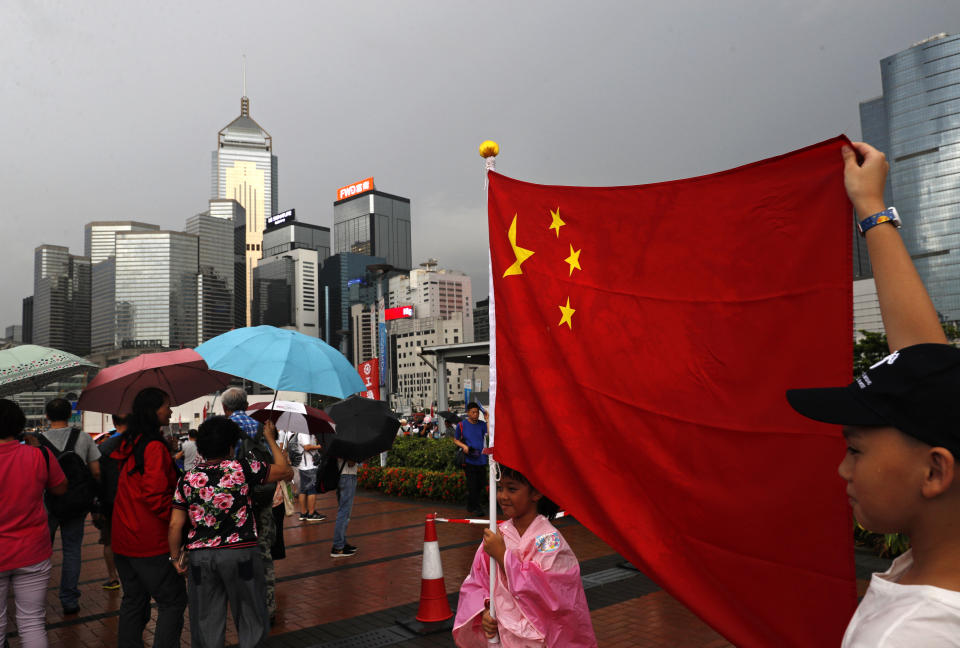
<point x="521" y="253"/>
<point x="566" y="315"/>
<point x="557" y="223"/>
<point x="574" y="260"/>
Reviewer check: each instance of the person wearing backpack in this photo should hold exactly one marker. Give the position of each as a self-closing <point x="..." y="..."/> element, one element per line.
<point x="79" y="459"/>
<point x="141" y="515"/>
<point x="109" y="475"/>
<point x="25" y="548"/>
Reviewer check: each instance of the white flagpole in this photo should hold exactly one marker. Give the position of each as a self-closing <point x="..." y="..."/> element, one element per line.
<point x="489" y="151"/>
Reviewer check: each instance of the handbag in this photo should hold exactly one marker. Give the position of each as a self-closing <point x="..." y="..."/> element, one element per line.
<point x="286" y="494"/>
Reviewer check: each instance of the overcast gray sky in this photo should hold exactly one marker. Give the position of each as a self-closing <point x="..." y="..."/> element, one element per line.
<point x="110" y="109"/>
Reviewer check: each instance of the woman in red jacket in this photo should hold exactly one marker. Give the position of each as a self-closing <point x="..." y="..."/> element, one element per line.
<point x="141" y="514"/>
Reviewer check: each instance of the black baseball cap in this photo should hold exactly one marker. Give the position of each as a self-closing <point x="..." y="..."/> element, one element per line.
<point x="916" y="390"/>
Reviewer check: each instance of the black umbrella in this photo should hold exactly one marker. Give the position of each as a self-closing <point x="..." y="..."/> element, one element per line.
<point x="450" y="417"/>
<point x="365" y="428"/>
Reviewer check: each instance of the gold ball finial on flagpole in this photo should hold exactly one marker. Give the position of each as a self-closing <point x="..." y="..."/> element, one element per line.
<point x="489" y="148"/>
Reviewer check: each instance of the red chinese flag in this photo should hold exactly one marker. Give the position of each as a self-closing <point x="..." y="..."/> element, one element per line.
<point x="645" y="337"/>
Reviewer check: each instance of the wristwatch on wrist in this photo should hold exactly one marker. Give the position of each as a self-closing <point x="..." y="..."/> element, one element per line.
<point x="888" y="215"/>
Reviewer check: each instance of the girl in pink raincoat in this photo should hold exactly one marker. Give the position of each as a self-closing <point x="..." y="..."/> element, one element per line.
<point x="538" y="597"/>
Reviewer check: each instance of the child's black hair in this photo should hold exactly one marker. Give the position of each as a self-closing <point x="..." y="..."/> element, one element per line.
<point x="545" y="506"/>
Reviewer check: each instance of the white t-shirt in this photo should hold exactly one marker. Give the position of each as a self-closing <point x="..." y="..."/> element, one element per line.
<point x="347" y="469"/>
<point x="190" y="455"/>
<point x="904" y="616"/>
<point x="303" y="438"/>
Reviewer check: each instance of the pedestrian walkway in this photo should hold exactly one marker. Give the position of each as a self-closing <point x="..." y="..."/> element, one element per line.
<point x="356" y="602"/>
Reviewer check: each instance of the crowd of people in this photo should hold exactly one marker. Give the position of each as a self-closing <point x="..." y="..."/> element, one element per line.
<point x="213" y="523"/>
<point x="216" y="518"/>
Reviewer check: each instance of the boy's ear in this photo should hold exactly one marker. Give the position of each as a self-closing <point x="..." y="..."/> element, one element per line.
<point x="941" y="467"/>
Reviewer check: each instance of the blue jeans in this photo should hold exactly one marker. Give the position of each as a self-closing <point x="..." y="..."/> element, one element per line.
<point x="71" y="537"/>
<point x="346" y="489"/>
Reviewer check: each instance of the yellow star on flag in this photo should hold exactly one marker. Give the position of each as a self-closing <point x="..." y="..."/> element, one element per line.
<point x="574" y="260"/>
<point x="521" y="253"/>
<point x="566" y="315"/>
<point x="557" y="223"/>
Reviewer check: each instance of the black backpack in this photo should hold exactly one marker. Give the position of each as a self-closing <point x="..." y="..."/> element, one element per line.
<point x="328" y="473"/>
<point x="294" y="449"/>
<point x="81" y="487"/>
<point x="262" y="495"/>
<point x="109" y="475"/>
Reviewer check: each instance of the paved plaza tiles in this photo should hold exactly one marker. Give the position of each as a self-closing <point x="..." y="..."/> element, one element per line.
<point x="355" y="602"/>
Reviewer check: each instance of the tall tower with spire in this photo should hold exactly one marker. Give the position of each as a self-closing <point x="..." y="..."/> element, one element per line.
<point x="244" y="169"/>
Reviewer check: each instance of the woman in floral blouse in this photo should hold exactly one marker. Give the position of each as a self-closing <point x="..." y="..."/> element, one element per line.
<point x="224" y="562"/>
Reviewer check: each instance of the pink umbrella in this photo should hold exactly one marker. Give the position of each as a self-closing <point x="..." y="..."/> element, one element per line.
<point x="293" y="417"/>
<point x="183" y="374"/>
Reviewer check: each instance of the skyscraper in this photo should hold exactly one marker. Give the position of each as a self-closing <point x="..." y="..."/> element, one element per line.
<point x="99" y="237"/>
<point x="61" y="299"/>
<point x="215" y="274"/>
<point x="231" y="210"/>
<point x="27" y="320"/>
<point x="156" y="289"/>
<point x="286" y="291"/>
<point x="294" y="235"/>
<point x="103" y="305"/>
<point x="344" y="281"/>
<point x="100" y="244"/>
<point x="244" y="169"/>
<point x="373" y="223"/>
<point x="915" y="122"/>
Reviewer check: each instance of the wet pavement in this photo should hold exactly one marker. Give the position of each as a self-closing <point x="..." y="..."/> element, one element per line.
<point x="358" y="601"/>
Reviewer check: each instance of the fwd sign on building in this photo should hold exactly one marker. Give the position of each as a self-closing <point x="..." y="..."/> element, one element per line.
<point x="354" y="189"/>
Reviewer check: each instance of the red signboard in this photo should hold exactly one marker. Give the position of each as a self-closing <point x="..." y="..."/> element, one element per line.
<point x="400" y="312"/>
<point x="370" y="372"/>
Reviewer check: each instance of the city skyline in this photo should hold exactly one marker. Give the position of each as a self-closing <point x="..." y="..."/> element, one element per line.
<point x="118" y="125"/>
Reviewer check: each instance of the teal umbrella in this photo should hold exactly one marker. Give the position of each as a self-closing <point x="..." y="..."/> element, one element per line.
<point x="29" y="367"/>
<point x="282" y="359"/>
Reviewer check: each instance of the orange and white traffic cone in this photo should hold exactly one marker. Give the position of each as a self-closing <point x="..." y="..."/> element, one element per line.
<point x="433" y="595"/>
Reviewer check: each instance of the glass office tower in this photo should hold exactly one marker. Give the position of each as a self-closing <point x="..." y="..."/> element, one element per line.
<point x="156" y="289"/>
<point x="215" y="279"/>
<point x="297" y="235"/>
<point x="99" y="237"/>
<point x="100" y="244"/>
<point x="917" y="124"/>
<point x="344" y="281"/>
<point x="61" y="300"/>
<point x="374" y="223"/>
<point x="244" y="169"/>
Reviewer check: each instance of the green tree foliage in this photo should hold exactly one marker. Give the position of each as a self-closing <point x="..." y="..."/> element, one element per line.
<point x="870" y="349"/>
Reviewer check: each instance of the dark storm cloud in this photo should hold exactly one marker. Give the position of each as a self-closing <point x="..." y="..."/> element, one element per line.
<point x="110" y="109"/>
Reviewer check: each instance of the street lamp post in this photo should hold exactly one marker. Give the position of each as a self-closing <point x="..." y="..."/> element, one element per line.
<point x="378" y="270"/>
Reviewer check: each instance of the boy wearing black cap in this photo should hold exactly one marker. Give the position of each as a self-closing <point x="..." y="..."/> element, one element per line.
<point x="902" y="425"/>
